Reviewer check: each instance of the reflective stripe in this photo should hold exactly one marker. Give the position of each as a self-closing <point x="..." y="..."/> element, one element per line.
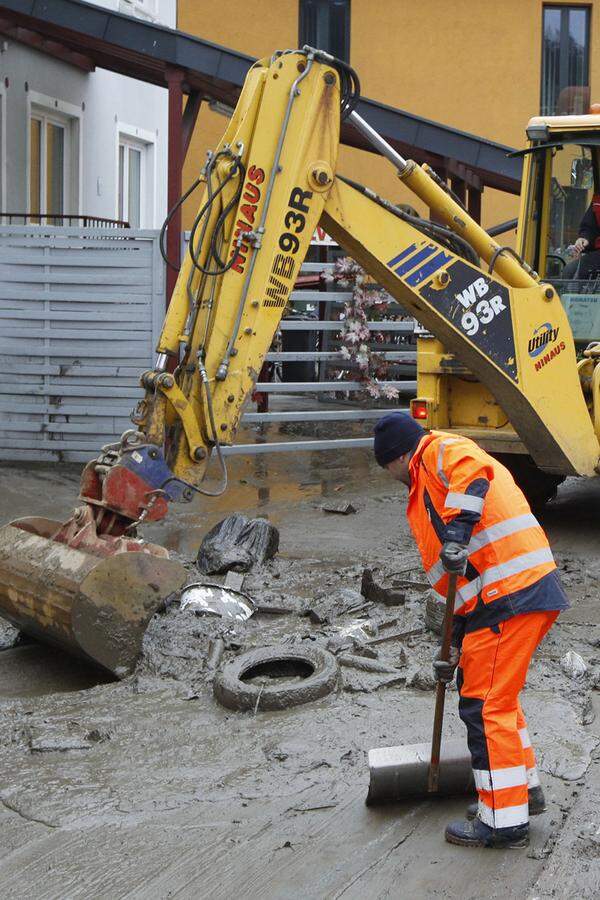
<point x="494" y="573"/>
<point x="463" y="501"/>
<point x="496" y="779"/>
<point x="440" y="459"/>
<point x="525" y="740"/>
<point x="502" y="530"/>
<point x="505" y="570"/>
<point x="533" y="779"/>
<point x="488" y="536"/>
<point x="503" y="818"/>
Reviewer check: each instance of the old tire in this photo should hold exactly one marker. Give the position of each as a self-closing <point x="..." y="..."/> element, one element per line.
<point x="319" y="667"/>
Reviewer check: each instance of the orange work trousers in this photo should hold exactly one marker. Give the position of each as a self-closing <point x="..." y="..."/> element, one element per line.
<point x="492" y="670"/>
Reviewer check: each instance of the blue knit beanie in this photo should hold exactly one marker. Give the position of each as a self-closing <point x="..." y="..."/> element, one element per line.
<point x="395" y="434"/>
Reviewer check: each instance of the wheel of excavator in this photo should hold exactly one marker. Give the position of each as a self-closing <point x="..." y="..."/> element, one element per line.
<point x="538" y="486"/>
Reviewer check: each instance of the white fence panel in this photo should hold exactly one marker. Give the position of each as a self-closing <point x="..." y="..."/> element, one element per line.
<point x="80" y="313"/>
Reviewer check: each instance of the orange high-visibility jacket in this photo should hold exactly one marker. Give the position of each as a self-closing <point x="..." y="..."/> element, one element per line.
<point x="458" y="492"/>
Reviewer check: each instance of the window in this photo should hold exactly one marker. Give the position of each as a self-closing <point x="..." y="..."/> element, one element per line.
<point x="131" y="182"/>
<point x="565" y="60"/>
<point x="48" y="138"/>
<point x="325" y="24"/>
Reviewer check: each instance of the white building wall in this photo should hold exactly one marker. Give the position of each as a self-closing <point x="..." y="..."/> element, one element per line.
<point x="99" y="107"/>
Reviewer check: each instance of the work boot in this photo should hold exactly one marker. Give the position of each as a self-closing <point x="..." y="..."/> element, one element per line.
<point x="476" y="833"/>
<point x="537" y="803"/>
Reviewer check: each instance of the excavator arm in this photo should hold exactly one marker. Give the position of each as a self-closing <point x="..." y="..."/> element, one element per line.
<point x="286" y="132"/>
<point x="267" y="185"/>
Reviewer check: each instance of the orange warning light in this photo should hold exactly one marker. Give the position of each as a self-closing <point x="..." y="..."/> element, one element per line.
<point x="418" y="409"/>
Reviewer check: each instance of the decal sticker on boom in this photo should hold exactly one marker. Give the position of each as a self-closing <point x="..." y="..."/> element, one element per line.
<point x="282" y="269"/>
<point x="477" y="306"/>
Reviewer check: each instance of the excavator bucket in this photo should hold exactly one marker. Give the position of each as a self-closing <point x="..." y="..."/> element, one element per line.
<point x="97" y="608"/>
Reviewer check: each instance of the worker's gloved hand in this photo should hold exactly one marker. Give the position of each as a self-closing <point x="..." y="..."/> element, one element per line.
<point x="454" y="558"/>
<point x="444" y="671"/>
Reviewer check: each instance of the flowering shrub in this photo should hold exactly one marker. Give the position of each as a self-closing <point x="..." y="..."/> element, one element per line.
<point x="366" y="305"/>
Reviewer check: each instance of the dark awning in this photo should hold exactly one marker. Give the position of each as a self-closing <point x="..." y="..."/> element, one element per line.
<point x="92" y="36"/>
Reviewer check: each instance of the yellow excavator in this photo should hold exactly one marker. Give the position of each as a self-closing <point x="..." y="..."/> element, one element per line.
<point x="506" y="358"/>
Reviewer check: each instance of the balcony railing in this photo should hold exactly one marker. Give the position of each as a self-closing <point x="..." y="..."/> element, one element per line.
<point x="23" y="218"/>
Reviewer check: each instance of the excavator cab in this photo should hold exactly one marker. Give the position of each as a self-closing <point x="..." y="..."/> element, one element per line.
<point x="562" y="179"/>
<point x="560" y="191"/>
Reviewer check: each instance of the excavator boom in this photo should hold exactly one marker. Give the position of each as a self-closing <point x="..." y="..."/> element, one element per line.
<point x="267" y="186"/>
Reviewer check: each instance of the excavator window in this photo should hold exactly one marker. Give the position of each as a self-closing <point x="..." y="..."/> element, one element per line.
<point x="564" y="177"/>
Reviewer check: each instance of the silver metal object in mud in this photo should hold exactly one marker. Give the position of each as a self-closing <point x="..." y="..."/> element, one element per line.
<point x="400" y="773"/>
<point x="217" y="600"/>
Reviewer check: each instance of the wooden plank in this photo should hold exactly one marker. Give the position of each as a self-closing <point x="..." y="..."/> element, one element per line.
<point x="66" y="278"/>
<point x="73" y="370"/>
<point x="68" y="390"/>
<point x="71" y="444"/>
<point x="137" y="313"/>
<point x="68" y="408"/>
<point x="134" y="294"/>
<point x="108" y="256"/>
<point x="66" y="428"/>
<point x="57" y="334"/>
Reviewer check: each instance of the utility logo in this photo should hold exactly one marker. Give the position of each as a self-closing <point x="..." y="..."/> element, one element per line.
<point x="540" y="341"/>
<point x="542" y="336"/>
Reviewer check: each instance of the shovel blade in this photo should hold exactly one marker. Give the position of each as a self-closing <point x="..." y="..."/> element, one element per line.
<point x="401" y="773"/>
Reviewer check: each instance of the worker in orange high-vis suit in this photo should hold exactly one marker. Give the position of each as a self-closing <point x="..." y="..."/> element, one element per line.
<point x="469" y="517"/>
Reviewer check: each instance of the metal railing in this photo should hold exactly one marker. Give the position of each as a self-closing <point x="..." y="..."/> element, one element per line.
<point x="336" y="378"/>
<point x="81" y="221"/>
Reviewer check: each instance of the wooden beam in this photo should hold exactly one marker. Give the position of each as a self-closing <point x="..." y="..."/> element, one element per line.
<point x="459" y="188"/>
<point x="46" y="46"/>
<point x="188" y="121"/>
<point x="474" y="203"/>
<point x="459" y="170"/>
<point x="174" y="79"/>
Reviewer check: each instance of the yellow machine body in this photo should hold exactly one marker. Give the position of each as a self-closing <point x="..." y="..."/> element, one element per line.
<point x="269" y="183"/>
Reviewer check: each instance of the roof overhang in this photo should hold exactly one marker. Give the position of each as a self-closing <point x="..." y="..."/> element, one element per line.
<point x="88" y="36"/>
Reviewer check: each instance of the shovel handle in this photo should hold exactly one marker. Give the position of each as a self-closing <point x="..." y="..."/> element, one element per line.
<point x="440" y="695"/>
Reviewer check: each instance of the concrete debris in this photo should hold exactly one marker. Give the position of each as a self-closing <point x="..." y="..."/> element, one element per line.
<point x="342" y="509"/>
<point x="360" y="630"/>
<point x="421" y="678"/>
<point x="380" y="593"/>
<point x="9" y="635"/>
<point x="357" y="682"/>
<point x="573" y="665"/>
<point x="61" y="740"/>
<point x="434" y="614"/>
<point x="366" y="665"/>
<point x="396" y="636"/>
<point x="237" y="543"/>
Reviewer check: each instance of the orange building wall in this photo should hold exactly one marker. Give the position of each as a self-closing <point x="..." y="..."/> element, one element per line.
<point x="471" y="64"/>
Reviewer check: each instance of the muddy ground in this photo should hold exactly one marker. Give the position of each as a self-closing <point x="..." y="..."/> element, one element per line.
<point x="148" y="788"/>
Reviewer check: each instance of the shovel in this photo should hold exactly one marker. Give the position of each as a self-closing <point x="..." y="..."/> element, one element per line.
<point x="420" y="770"/>
<point x="433" y="781"/>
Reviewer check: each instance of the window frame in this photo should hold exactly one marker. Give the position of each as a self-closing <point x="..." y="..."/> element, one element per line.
<point x="129" y="136"/>
<point x="69" y="117"/>
<point x="564" y="7"/>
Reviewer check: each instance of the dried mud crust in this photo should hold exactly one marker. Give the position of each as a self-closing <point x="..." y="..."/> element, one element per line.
<point x="232" y="691"/>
